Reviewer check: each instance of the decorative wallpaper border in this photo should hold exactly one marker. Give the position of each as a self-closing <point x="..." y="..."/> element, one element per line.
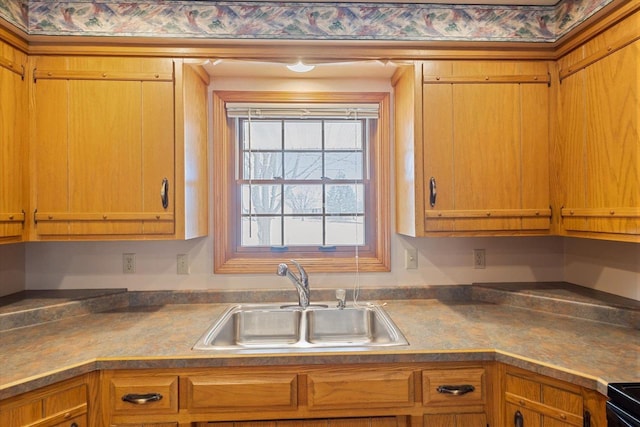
<point x="208" y="19"/>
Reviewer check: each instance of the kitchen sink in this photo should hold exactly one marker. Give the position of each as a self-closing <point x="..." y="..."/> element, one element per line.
<point x="264" y="327"/>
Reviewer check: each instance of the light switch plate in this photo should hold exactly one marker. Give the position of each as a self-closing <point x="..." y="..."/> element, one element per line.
<point x="411" y="258"/>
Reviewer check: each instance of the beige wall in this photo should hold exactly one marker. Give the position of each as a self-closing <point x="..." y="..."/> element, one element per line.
<point x="12" y="268"/>
<point x="607" y="266"/>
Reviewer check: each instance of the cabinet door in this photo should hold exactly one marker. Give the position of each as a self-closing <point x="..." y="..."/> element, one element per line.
<point x="599" y="147"/>
<point x="13" y="125"/>
<point x="539" y="401"/>
<point x="486" y="133"/>
<point x="612" y="141"/>
<point x="104" y="146"/>
<point x="456" y="420"/>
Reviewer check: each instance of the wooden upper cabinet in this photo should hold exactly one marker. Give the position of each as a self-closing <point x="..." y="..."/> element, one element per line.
<point x="598" y="144"/>
<point x="480" y="147"/>
<point x="109" y="161"/>
<point x="13" y="143"/>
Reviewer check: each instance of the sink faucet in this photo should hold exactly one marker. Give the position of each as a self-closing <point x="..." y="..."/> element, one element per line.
<point x="301" y="283"/>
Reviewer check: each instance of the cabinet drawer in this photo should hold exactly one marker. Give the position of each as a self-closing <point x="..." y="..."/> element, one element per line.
<point x="80" y="421"/>
<point x="241" y="392"/>
<point x="349" y="388"/>
<point x="453" y="387"/>
<point x="147" y="394"/>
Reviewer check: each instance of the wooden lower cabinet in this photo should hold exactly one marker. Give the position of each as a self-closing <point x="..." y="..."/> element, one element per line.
<point x="147" y="425"/>
<point x="335" y="422"/>
<point x="65" y="404"/>
<point x="367" y="395"/>
<point x="538" y="401"/>
<point x="437" y="394"/>
<point x="456" y="420"/>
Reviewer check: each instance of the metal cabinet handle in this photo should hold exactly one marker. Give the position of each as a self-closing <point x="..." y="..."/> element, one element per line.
<point x="456" y="390"/>
<point x="164" y="193"/>
<point x="432" y="192"/>
<point x="586" y="419"/>
<point x="142" y="399"/>
<point x="518" y="419"/>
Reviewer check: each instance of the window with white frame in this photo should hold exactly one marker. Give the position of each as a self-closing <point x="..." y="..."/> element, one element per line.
<point x="302" y="182"/>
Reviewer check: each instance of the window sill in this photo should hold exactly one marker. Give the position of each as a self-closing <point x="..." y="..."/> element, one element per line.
<point x="247" y="265"/>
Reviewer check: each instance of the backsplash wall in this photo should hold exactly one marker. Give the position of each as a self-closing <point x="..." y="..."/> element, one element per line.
<point x="12" y="268"/>
<point x="608" y="266"/>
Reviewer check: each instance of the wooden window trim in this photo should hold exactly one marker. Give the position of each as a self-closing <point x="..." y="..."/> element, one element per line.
<point x="227" y="260"/>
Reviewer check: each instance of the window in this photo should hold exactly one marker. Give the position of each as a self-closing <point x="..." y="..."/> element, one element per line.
<point x="313" y="188"/>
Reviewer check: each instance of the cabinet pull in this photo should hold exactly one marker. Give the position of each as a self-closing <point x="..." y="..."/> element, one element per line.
<point x="432" y="192"/>
<point x="456" y="390"/>
<point x="142" y="399"/>
<point x="586" y="419"/>
<point x="164" y="193"/>
<point x="518" y="419"/>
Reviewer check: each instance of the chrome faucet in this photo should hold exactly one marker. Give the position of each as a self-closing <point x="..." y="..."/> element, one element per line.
<point x="301" y="283"/>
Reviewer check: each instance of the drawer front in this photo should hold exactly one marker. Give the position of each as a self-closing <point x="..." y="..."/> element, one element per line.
<point x="80" y="421"/>
<point x="453" y="387"/>
<point x="241" y="392"/>
<point x="450" y="420"/>
<point x="352" y="388"/>
<point x="145" y="394"/>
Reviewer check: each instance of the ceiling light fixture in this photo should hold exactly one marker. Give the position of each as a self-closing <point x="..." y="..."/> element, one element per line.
<point x="299" y="67"/>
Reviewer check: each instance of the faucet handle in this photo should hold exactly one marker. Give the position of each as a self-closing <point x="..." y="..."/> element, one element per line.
<point x="341" y="296"/>
<point x="304" y="278"/>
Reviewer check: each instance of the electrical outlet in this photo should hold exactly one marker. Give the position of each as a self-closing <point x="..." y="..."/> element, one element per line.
<point x="128" y="263"/>
<point x="410" y="258"/>
<point x="479" y="260"/>
<point x="183" y="263"/>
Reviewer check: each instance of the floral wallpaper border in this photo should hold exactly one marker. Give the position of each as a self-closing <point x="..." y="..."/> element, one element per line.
<point x="208" y="19"/>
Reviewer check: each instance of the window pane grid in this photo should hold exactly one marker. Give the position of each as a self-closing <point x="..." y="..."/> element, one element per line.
<point x="335" y="217"/>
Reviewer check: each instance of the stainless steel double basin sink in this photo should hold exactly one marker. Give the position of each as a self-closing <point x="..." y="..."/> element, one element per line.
<point x="266" y="327"/>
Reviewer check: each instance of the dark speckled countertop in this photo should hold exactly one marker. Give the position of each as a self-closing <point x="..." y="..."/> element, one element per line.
<point x="557" y="329"/>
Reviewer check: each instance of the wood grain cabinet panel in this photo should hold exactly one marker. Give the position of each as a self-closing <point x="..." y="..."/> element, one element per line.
<point x="541" y="401"/>
<point x="453" y="387"/>
<point x="154" y="394"/>
<point x="147" y="425"/>
<point x="455" y="420"/>
<point x="474" y="148"/>
<point x="13" y="143"/>
<point x="262" y="392"/>
<point x="598" y="144"/>
<point x="353" y="388"/>
<point x="119" y="148"/>
<point x="97" y="121"/>
<point x="332" y="422"/>
<point x="65" y="404"/>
